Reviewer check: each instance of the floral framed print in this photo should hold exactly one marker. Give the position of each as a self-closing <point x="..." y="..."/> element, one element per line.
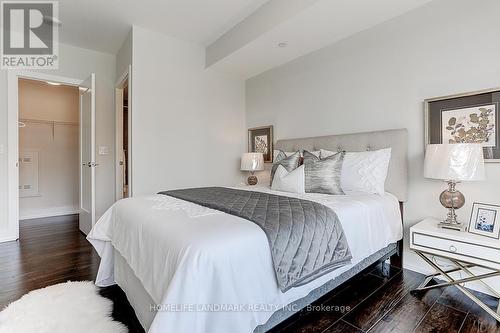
<point x="466" y="118"/>
<point x="260" y="140"/>
<point x="485" y="220"/>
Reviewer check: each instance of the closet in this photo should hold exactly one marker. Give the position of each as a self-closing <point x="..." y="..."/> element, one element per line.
<point x="48" y="149"/>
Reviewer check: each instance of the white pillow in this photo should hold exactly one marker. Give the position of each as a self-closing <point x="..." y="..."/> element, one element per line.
<point x="364" y="171"/>
<point x="293" y="181"/>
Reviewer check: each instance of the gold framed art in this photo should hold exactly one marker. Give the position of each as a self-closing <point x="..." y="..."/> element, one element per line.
<point x="472" y="117"/>
<point x="260" y="140"/>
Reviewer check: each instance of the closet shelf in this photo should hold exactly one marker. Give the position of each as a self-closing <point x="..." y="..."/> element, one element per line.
<point x="23" y="121"/>
<point x="50" y="122"/>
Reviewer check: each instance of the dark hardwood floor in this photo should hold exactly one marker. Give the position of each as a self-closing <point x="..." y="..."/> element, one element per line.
<point x="53" y="250"/>
<point x="49" y="251"/>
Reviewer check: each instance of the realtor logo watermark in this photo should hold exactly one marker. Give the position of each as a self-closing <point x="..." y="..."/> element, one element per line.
<point x="30" y="35"/>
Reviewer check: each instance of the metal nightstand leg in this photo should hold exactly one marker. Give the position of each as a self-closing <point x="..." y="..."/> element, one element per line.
<point x="452" y="281"/>
<point x="466" y="269"/>
<point x="493" y="291"/>
<point x="428" y="278"/>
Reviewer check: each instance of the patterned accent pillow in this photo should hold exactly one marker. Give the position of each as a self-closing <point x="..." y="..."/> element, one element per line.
<point x="290" y="163"/>
<point x="323" y="175"/>
<point x="280" y="154"/>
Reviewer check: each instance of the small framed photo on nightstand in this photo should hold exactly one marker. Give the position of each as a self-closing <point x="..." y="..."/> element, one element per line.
<point x="485" y="220"/>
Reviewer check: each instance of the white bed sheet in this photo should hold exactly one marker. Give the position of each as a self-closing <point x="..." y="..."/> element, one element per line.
<point x="212" y="272"/>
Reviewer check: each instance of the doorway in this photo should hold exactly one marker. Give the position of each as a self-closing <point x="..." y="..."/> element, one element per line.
<point x="25" y="181"/>
<point x="49" y="159"/>
<point x="123" y="138"/>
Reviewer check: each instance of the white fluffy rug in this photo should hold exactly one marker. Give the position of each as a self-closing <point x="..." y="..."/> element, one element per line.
<point x="74" y="307"/>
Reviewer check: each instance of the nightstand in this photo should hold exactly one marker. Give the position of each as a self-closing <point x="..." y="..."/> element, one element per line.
<point x="463" y="250"/>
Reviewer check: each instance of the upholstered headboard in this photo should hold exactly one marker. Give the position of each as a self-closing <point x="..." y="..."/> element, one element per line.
<point x="397" y="178"/>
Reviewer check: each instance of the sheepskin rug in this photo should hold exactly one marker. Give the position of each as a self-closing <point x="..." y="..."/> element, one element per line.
<point x="74" y="307"/>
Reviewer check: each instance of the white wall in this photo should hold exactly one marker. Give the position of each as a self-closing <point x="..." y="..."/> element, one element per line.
<point x="75" y="63"/>
<point x="188" y="122"/>
<point x="124" y="56"/>
<point x="123" y="62"/>
<point x="4" y="180"/>
<point x="379" y="78"/>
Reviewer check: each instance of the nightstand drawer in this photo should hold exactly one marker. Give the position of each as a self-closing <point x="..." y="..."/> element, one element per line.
<point x="456" y="247"/>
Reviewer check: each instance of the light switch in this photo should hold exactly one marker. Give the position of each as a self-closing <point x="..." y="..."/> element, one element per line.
<point x="2" y="149"/>
<point x="103" y="150"/>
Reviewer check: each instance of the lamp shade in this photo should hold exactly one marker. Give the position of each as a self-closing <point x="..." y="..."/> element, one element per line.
<point x="252" y="162"/>
<point x="456" y="162"/>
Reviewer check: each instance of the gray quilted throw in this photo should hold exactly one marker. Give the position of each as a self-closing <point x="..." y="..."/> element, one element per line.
<point x="305" y="237"/>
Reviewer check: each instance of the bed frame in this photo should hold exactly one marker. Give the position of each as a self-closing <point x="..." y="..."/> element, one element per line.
<point x="396" y="183"/>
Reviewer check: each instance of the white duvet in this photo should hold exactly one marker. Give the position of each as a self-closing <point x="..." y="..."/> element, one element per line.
<point x="212" y="272"/>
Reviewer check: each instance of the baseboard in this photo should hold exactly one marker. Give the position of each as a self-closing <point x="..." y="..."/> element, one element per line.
<point x="417" y="268"/>
<point x="10" y="238"/>
<point x="48" y="212"/>
<point x="426" y="270"/>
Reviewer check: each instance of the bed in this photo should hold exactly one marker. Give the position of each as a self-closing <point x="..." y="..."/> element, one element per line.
<point x="188" y="268"/>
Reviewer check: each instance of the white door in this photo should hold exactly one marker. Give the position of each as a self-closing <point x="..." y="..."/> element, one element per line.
<point x="87" y="154"/>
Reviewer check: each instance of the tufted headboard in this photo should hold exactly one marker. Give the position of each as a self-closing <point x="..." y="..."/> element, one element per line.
<point x="397" y="178"/>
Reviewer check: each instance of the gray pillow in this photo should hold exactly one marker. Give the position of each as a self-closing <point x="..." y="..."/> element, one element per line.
<point x="323" y="175"/>
<point x="290" y="163"/>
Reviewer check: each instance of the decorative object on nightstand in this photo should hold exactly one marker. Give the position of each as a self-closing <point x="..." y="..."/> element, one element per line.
<point x="252" y="162"/>
<point x="465" y="251"/>
<point x="454" y="163"/>
<point x="485" y="220"/>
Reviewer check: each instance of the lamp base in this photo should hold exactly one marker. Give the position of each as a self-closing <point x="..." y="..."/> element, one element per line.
<point x="252" y="180"/>
<point x="452" y="226"/>
<point x="453" y="200"/>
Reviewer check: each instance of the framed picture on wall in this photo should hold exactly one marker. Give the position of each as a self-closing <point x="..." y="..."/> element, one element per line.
<point x="260" y="140"/>
<point x="466" y="118"/>
<point x="485" y="220"/>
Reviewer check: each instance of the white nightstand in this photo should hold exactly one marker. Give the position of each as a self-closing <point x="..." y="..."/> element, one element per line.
<point x="462" y="249"/>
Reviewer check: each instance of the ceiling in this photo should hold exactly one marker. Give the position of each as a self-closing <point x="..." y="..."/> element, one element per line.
<point x="241" y="36"/>
<point x="103" y="25"/>
<point x="311" y="27"/>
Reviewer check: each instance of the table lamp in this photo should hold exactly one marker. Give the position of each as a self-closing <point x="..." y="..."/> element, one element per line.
<point x="252" y="162"/>
<point x="454" y="163"/>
